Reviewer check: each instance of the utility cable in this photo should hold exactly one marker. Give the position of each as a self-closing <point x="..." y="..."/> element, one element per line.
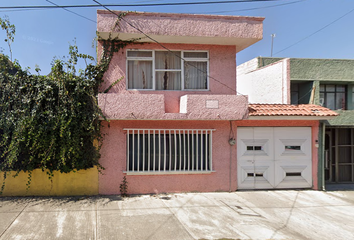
<point x="251" y="9"/>
<point x="336" y="20"/>
<point x="147" y="36"/>
<point x="71" y="11"/>
<point x="140" y="5"/>
<point x="21" y="10"/>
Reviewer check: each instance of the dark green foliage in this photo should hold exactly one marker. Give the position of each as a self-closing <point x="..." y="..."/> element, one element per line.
<point x="51" y="122"/>
<point x="48" y="122"/>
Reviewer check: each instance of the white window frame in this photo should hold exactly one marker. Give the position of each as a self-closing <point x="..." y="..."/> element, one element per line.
<point x="183" y="59"/>
<point x="169" y="166"/>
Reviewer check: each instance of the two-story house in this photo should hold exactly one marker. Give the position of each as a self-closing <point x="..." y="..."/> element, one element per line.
<point x="177" y="122"/>
<point x="325" y="82"/>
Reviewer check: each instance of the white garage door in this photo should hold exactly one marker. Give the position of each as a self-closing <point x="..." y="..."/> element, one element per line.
<point x="274" y="157"/>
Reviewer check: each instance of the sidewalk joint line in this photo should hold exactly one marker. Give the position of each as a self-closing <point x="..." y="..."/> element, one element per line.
<point x="175" y="216"/>
<point x="96" y="235"/>
<point x="13" y="221"/>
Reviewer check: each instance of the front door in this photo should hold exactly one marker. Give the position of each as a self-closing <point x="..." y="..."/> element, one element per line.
<point x="274" y="157"/>
<point x="339" y="155"/>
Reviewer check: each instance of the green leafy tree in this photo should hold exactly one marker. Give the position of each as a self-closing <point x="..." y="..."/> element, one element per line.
<point x="10" y="32"/>
<point x="52" y="122"/>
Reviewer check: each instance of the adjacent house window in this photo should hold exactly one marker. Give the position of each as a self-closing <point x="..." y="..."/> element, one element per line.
<point x="333" y="96"/>
<point x="294" y="87"/>
<point x="168" y="151"/>
<point x="167" y="70"/>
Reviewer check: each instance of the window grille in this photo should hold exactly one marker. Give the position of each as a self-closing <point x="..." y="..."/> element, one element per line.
<point x="169" y="150"/>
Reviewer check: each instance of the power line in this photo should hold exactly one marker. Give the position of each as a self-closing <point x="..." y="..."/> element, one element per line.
<point x="21" y="10"/>
<point x="336" y="20"/>
<point x="257" y="8"/>
<point x="137" y="5"/>
<point x="70" y="11"/>
<point x="122" y="18"/>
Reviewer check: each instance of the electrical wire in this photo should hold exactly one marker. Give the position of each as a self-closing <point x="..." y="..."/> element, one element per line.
<point x="336" y="20"/>
<point x="251" y="9"/>
<point x="21" y="10"/>
<point x="71" y="11"/>
<point x="147" y="36"/>
<point x="139" y="5"/>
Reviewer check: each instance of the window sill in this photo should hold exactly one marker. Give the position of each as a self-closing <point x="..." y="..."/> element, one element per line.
<point x="167" y="172"/>
<point x="169" y="90"/>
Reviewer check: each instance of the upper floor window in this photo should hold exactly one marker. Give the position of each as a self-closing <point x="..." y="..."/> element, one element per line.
<point x="333" y="96"/>
<point x="167" y="70"/>
<point x="294" y="88"/>
<point x="300" y="92"/>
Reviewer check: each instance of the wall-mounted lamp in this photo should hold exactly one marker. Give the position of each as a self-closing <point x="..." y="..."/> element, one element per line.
<point x="232" y="141"/>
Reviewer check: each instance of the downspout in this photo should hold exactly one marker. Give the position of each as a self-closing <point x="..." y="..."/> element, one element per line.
<point x="230" y="168"/>
<point x="232" y="142"/>
<point x="323" y="142"/>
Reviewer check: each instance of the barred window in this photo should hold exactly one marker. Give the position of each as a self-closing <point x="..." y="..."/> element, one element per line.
<point x="169" y="150"/>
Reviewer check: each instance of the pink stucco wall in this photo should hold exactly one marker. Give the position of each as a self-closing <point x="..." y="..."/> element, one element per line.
<point x="193" y="107"/>
<point x="182" y="28"/>
<point x="176" y="24"/>
<point x="222" y="72"/>
<point x="114" y="157"/>
<point x="292" y="123"/>
<point x="114" y="161"/>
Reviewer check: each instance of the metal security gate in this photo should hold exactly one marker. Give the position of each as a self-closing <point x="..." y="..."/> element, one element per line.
<point x="274" y="157"/>
<point x="339" y="155"/>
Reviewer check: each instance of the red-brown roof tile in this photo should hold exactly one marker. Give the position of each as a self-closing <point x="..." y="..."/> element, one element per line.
<point x="289" y="110"/>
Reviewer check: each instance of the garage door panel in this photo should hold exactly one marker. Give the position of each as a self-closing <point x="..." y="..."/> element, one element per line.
<point x="292" y="149"/>
<point x="260" y="175"/>
<point x="292" y="174"/>
<point x="292" y="143"/>
<point x="255" y="143"/>
<point x="274" y="157"/>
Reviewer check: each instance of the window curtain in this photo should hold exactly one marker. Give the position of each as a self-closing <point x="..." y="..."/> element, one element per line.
<point x="195" y="75"/>
<point x="139" y="74"/>
<point x="168" y="80"/>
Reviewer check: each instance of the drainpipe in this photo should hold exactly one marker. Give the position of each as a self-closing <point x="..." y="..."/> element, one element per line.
<point x="323" y="142"/>
<point x="232" y="142"/>
<point x="230" y="171"/>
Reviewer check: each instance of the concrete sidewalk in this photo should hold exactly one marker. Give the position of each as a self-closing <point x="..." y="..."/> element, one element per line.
<point x="237" y="215"/>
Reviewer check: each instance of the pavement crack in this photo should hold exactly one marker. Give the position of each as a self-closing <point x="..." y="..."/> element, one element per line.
<point x="242" y="210"/>
<point x="288" y="219"/>
<point x="175" y="216"/>
<point x="2" y="234"/>
<point x="96" y="234"/>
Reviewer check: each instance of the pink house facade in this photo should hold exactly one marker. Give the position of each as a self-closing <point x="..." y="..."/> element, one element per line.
<point x="176" y="122"/>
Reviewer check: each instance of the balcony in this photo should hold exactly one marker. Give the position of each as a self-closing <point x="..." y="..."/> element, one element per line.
<point x="192" y="107"/>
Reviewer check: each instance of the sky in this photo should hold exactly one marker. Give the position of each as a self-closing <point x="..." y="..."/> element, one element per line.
<point x="302" y="28"/>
